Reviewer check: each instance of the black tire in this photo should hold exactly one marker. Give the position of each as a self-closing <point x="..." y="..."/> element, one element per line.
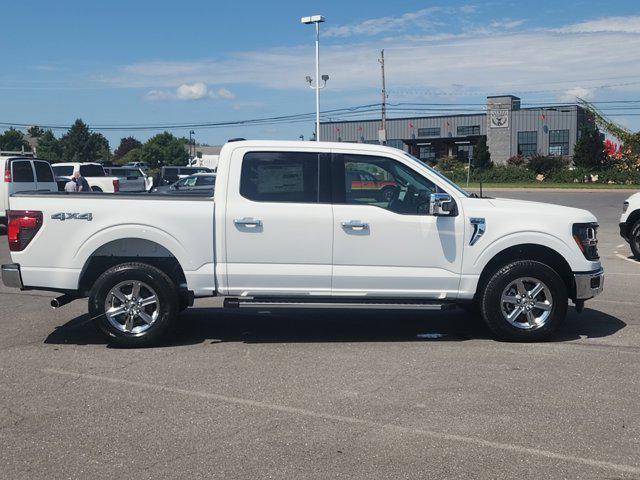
<point x="634" y="239"/>
<point x="96" y="189"/>
<point x="164" y="289"/>
<point x="491" y="301"/>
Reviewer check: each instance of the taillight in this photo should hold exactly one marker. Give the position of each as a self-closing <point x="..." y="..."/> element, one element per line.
<point x="22" y="227"/>
<point x="585" y="235"/>
<point x="116" y="185"/>
<point x="7" y="173"/>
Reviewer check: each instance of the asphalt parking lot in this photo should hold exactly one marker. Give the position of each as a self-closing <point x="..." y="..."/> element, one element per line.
<point x="309" y="394"/>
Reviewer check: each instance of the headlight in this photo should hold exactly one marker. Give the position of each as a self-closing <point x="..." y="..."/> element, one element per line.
<point x="585" y="235"/>
<point x="625" y="206"/>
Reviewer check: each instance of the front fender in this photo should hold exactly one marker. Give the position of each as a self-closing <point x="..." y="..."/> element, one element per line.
<point x="571" y="253"/>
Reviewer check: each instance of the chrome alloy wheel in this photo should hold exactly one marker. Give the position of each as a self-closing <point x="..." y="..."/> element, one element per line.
<point x="526" y="303"/>
<point x="132" y="306"/>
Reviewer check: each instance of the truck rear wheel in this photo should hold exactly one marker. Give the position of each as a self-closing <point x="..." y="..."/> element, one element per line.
<point x="524" y="301"/>
<point x="134" y="304"/>
<point x="634" y="239"/>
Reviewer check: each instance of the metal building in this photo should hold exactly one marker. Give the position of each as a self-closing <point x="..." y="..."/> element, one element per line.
<point x="508" y="129"/>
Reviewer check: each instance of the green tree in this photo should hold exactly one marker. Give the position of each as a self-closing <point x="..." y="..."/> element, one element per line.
<point x="13" y="140"/>
<point x="134" y="155"/>
<point x="165" y="149"/>
<point x="35" y="131"/>
<point x="481" y="155"/>
<point x="49" y="147"/>
<point x="589" y="150"/>
<point x="126" y="145"/>
<point x="79" y="144"/>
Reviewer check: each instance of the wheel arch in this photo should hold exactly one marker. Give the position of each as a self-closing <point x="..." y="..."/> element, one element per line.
<point x="130" y="249"/>
<point x="633" y="218"/>
<point x="529" y="251"/>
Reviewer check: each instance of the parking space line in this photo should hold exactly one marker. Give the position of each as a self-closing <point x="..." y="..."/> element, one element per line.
<point x="635" y="262"/>
<point x="354" y="421"/>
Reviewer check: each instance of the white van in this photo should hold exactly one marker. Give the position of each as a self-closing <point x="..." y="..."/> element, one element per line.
<point x="23" y="174"/>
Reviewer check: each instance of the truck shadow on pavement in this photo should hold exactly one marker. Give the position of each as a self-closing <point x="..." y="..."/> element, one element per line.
<point x="214" y="325"/>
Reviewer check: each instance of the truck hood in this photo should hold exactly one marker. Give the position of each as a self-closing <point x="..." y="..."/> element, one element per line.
<point x="634" y="198"/>
<point x="539" y="209"/>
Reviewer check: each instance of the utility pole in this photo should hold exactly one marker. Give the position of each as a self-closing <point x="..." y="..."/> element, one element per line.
<point x="382" y="135"/>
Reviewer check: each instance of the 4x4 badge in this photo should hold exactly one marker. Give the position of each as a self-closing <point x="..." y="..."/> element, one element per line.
<point x="72" y="216"/>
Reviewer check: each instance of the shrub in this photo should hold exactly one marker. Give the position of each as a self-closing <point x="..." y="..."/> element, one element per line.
<point x="576" y="175"/>
<point x="504" y="174"/>
<point x="448" y="164"/>
<point x="516" y="161"/>
<point x="541" y="164"/>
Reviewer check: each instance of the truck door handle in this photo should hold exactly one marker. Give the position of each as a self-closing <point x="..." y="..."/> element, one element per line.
<point x="356" y="225"/>
<point x="248" y="222"/>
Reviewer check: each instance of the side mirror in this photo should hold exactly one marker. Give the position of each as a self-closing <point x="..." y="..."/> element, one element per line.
<point x="440" y="204"/>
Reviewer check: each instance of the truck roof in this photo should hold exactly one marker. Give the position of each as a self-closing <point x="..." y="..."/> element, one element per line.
<point x="73" y="164"/>
<point x="290" y="144"/>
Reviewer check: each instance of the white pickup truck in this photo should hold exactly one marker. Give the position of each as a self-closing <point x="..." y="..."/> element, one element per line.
<point x="93" y="172"/>
<point x="630" y="223"/>
<point x="290" y="227"/>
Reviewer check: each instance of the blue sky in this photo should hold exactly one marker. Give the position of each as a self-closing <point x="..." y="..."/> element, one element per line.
<point x="142" y="62"/>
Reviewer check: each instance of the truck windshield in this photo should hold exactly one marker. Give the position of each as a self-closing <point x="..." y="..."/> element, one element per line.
<point x="439" y="175"/>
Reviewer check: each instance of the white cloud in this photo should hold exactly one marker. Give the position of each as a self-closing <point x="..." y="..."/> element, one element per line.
<point x="226" y="94"/>
<point x="189" y="91"/>
<point x="420" y="19"/>
<point x="608" y="24"/>
<point x="506" y="24"/>
<point x="154" y="95"/>
<point x="574" y="93"/>
<point x="472" y="63"/>
<point x="194" y="91"/>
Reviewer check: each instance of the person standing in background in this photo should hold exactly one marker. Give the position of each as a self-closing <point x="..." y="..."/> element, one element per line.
<point x="81" y="182"/>
<point x="71" y="186"/>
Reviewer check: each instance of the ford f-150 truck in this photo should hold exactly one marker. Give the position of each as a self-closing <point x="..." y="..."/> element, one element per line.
<point x="630" y="223"/>
<point x="286" y="228"/>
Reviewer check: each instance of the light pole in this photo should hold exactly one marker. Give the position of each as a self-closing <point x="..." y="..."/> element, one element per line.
<point x="191" y="146"/>
<point x="317" y="20"/>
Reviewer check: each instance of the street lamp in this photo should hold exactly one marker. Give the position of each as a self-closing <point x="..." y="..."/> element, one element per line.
<point x="317" y="20"/>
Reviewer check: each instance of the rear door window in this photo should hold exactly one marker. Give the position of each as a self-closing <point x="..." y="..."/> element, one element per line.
<point x="281" y="177"/>
<point x="91" y="171"/>
<point x="43" y="172"/>
<point x="22" y="171"/>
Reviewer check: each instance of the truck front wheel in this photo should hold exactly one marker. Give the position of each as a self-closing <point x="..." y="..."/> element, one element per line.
<point x="134" y="304"/>
<point x="634" y="239"/>
<point x="524" y="301"/>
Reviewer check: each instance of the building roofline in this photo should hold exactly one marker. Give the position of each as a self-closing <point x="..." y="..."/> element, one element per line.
<point x="541" y="107"/>
<point x="405" y="118"/>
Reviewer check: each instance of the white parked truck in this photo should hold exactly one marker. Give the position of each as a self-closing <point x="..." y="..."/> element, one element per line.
<point x="93" y="172"/>
<point x="630" y="223"/>
<point x="290" y="227"/>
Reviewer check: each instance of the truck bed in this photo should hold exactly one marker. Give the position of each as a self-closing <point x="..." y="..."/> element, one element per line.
<point x="79" y="225"/>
